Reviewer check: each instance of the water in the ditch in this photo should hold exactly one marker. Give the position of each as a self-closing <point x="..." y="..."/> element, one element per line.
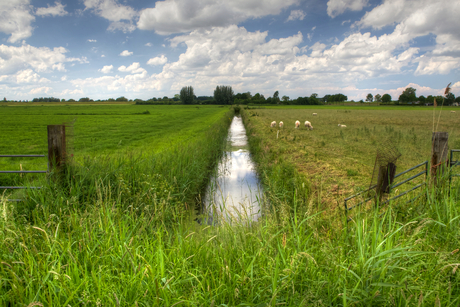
<point x="235" y="193"/>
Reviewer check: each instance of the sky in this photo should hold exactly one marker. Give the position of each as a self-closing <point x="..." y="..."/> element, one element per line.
<point x="142" y="49"/>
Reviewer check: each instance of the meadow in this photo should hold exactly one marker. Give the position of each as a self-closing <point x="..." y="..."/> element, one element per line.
<point x="120" y="230"/>
<point x="340" y="161"/>
<point x="99" y="130"/>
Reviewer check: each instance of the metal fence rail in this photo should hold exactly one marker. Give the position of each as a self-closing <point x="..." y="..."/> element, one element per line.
<point x="394" y="185"/>
<point x="21" y="172"/>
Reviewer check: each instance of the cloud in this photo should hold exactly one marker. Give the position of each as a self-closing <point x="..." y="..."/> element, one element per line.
<point x="149" y="45"/>
<point x="416" y="19"/>
<point x="179" y="16"/>
<point x="121" y="16"/>
<point x="106" y="69"/>
<point x="126" y="53"/>
<point x="103" y="56"/>
<point x="157" y="60"/>
<point x="125" y="27"/>
<point x="40" y="90"/>
<point x="92" y="40"/>
<point x="13" y="59"/>
<point x="133" y="68"/>
<point x="337" y="7"/>
<point x="57" y="10"/>
<point x="16" y="19"/>
<point x="296" y="15"/>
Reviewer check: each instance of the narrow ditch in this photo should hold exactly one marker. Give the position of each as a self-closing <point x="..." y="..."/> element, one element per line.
<point x="234" y="192"/>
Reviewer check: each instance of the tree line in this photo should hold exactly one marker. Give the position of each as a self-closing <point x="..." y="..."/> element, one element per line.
<point x="408" y="96"/>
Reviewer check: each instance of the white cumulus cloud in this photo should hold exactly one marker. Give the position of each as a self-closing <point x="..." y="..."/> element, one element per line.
<point x="177" y="16"/>
<point x="337" y="7"/>
<point x="92" y="40"/>
<point x="16" y="19"/>
<point x="126" y="53"/>
<point x="121" y="16"/>
<point x="414" y="19"/>
<point x="134" y="68"/>
<point x="296" y="15"/>
<point x="157" y="60"/>
<point x="57" y="10"/>
<point x="106" y="69"/>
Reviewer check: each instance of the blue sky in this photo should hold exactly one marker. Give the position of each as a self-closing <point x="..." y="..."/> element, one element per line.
<point x="143" y="49"/>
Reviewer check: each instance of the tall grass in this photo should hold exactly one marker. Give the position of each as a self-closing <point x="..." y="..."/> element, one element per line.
<point x="106" y="240"/>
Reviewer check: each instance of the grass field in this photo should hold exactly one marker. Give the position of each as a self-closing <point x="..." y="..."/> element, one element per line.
<point x="115" y="230"/>
<point x="100" y="130"/>
<point x="338" y="161"/>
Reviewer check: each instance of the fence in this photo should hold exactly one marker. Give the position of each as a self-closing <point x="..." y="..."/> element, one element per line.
<point x="391" y="187"/>
<point x="56" y="156"/>
<point x="21" y="172"/>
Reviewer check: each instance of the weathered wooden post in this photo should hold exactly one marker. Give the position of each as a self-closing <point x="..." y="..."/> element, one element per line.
<point x="439" y="160"/>
<point x="56" y="146"/>
<point x="385" y="179"/>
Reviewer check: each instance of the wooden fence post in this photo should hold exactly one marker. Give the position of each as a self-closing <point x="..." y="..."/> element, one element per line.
<point x="385" y="179"/>
<point x="56" y="146"/>
<point x="439" y="151"/>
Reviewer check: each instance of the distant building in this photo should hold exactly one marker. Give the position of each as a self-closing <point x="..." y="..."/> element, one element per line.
<point x="455" y="104"/>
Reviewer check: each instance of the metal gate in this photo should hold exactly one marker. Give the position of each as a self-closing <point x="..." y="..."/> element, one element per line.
<point x="391" y="187"/>
<point x="22" y="172"/>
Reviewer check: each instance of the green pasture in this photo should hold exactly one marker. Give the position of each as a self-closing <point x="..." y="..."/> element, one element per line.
<point x="337" y="161"/>
<point x="105" y="130"/>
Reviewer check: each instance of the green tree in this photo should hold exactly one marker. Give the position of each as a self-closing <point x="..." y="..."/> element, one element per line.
<point x="122" y="98"/>
<point x="369" y="97"/>
<point x="386" y="98"/>
<point x="285" y="98"/>
<point x="276" y="97"/>
<point x="422" y="99"/>
<point x="378" y="98"/>
<point x="450" y="98"/>
<point x="223" y="94"/>
<point x="186" y="95"/>
<point x="408" y="95"/>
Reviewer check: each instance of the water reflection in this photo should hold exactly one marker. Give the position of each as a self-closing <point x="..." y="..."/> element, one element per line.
<point x="235" y="193"/>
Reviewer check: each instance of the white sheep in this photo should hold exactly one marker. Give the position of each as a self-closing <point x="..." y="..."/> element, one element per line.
<point x="342" y="126"/>
<point x="314" y="114"/>
<point x="281" y="124"/>
<point x="297" y="124"/>
<point x="452" y="111"/>
<point x="308" y="125"/>
<point x="273" y="124"/>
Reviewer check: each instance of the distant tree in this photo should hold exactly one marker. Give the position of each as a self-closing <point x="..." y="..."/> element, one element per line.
<point x="369" y="97"/>
<point x="408" y="95"/>
<point x="457" y="99"/>
<point x="122" y="98"/>
<point x="276" y="97"/>
<point x="429" y="99"/>
<point x="285" y="98"/>
<point x="84" y="99"/>
<point x="71" y="100"/>
<point x="386" y="98"/>
<point x="165" y="98"/>
<point x="223" y="94"/>
<point x="313" y="99"/>
<point x="62" y="100"/>
<point x="422" y="99"/>
<point x="450" y="98"/>
<point x="378" y="98"/>
<point x="186" y="95"/>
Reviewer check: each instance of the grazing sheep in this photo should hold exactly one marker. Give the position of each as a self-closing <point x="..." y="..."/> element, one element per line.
<point x="452" y="111"/>
<point x="273" y="124"/>
<point x="281" y="124"/>
<point x="308" y="125"/>
<point x="297" y="124"/>
<point x="314" y="114"/>
<point x="342" y="126"/>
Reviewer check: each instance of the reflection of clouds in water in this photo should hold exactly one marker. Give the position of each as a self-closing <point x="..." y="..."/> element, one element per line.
<point x="236" y="191"/>
<point x="237" y="133"/>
